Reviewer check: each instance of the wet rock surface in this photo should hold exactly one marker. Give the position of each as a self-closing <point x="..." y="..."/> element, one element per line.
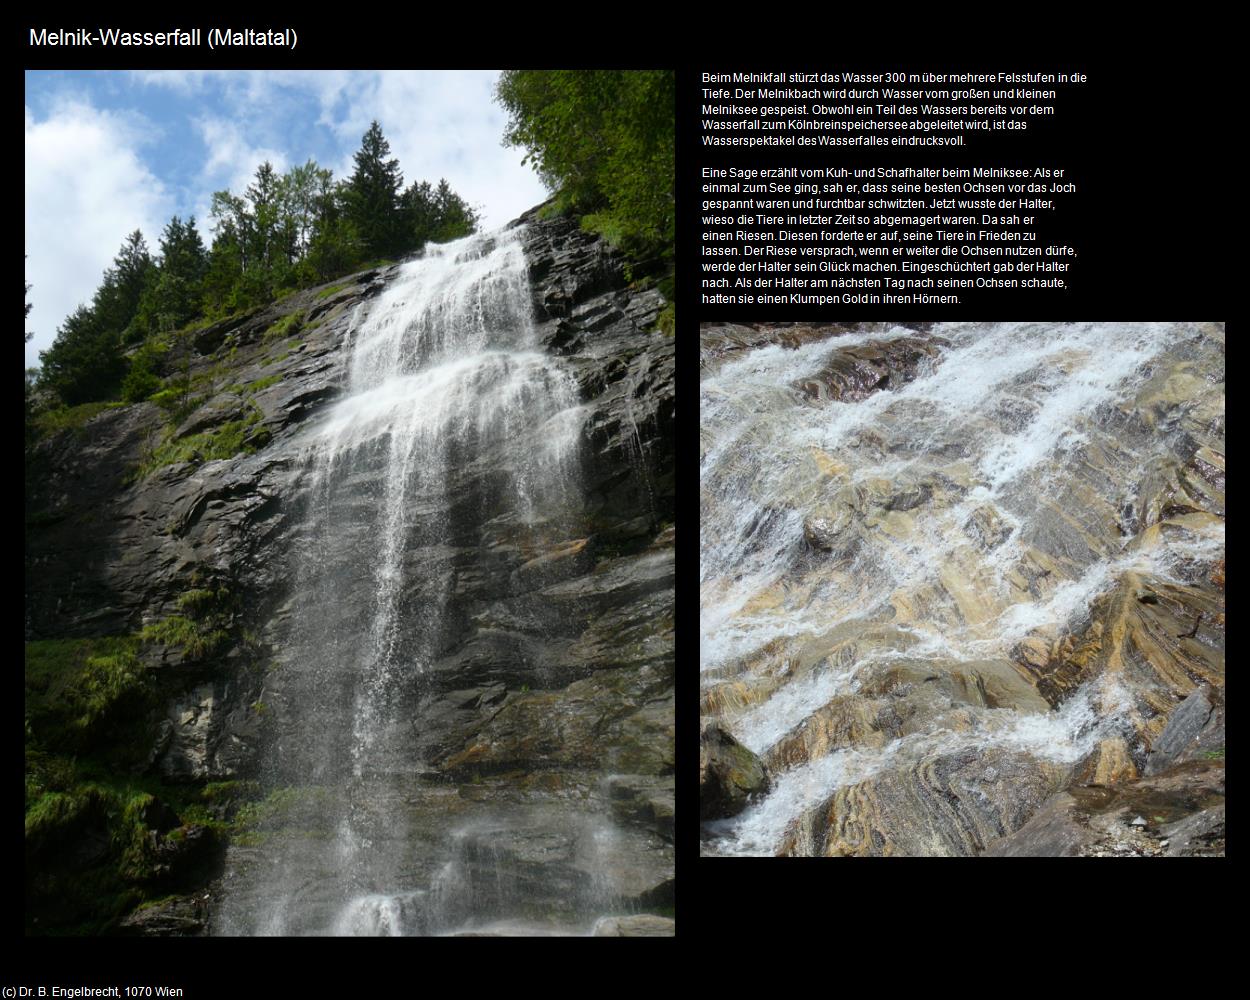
<point x="182" y="917"/>
<point x="961" y="580"/>
<point x="1195" y="729"/>
<point x="640" y="926"/>
<point x="854" y="373"/>
<point x="1176" y="813"/>
<point x="729" y="774"/>
<point x="554" y="678"/>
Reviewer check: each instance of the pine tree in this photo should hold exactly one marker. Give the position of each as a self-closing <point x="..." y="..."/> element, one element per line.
<point x="372" y="197"/>
<point x="175" y="298"/>
<point x="267" y="255"/>
<point x="420" y="212"/>
<point x="334" y="247"/>
<point x="454" y="217"/>
<point x="85" y="361"/>
<point x="437" y="214"/>
<point x="117" y="299"/>
<point x="230" y="259"/>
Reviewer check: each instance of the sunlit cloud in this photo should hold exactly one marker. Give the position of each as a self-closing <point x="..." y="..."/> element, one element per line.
<point x="129" y="150"/>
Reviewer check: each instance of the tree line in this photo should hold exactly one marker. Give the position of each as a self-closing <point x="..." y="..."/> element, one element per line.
<point x="603" y="142"/>
<point x="287" y="231"/>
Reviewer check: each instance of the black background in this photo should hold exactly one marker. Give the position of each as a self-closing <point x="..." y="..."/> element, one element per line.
<point x="1144" y="139"/>
<point x="1148" y="141"/>
<point x="1081" y="219"/>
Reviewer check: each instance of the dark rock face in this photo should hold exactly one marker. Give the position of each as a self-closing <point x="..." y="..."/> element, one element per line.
<point x="553" y="678"/>
<point x="854" y="373"/>
<point x="1195" y="727"/>
<point x="1176" y="813"/>
<point x="171" y="918"/>
<point x="729" y="774"/>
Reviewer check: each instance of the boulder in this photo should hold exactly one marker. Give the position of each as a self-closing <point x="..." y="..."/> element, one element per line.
<point x="729" y="774"/>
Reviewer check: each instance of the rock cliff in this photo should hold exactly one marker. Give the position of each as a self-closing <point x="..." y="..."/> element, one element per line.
<point x="167" y="531"/>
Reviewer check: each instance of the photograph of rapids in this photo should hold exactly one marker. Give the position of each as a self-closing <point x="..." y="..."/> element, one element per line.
<point x="962" y="589"/>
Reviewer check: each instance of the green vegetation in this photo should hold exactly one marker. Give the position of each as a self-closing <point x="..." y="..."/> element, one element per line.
<point x="144" y="378"/>
<point x="73" y="418"/>
<point x="177" y="402"/>
<point x="196" y="640"/>
<point x="287" y="326"/>
<point x="224" y="441"/>
<point x="100" y="832"/>
<point x="204" y="627"/>
<point x="262" y="383"/>
<point x="666" y="322"/>
<point x="86" y="705"/>
<point x="81" y="693"/>
<point x="603" y="142"/>
<point x="284" y="233"/>
<point x="72" y="802"/>
<point x="203" y="601"/>
<point x="230" y="438"/>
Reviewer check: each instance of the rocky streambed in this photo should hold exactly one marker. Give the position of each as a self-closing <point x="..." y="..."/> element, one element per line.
<point x="962" y="589"/>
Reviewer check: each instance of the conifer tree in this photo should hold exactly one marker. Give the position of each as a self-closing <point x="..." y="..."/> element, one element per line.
<point x="372" y="197"/>
<point x="176" y="295"/>
<point x="453" y="216"/>
<point x="117" y="299"/>
<point x="85" y="361"/>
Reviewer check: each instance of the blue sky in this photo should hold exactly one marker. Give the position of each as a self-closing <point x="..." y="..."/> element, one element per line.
<point x="109" y="152"/>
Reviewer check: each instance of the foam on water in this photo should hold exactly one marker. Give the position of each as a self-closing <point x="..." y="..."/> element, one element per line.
<point x="447" y="384"/>
<point x="1095" y="712"/>
<point x="1013" y="397"/>
<point x="999" y="418"/>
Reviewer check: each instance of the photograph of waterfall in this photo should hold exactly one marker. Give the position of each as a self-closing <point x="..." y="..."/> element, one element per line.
<point x="350" y="507"/>
<point x="962" y="589"/>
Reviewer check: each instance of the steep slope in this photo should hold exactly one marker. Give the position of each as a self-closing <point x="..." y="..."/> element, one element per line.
<point x="548" y="698"/>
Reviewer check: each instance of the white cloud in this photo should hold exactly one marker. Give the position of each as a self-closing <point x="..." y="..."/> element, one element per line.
<point x="87" y="187"/>
<point x="439" y="124"/>
<point x="443" y="124"/>
<point x="87" y="184"/>
<point x="233" y="158"/>
<point x="184" y="81"/>
<point x="456" y="133"/>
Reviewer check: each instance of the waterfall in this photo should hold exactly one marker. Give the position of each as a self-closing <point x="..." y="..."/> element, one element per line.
<point x="972" y="510"/>
<point x="452" y="417"/>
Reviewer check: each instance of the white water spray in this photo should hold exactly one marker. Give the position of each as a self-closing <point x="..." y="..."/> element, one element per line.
<point x="967" y="510"/>
<point x="447" y="386"/>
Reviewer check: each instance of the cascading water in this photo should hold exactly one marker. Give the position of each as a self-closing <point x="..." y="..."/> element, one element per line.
<point x="884" y="579"/>
<point x="452" y="415"/>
